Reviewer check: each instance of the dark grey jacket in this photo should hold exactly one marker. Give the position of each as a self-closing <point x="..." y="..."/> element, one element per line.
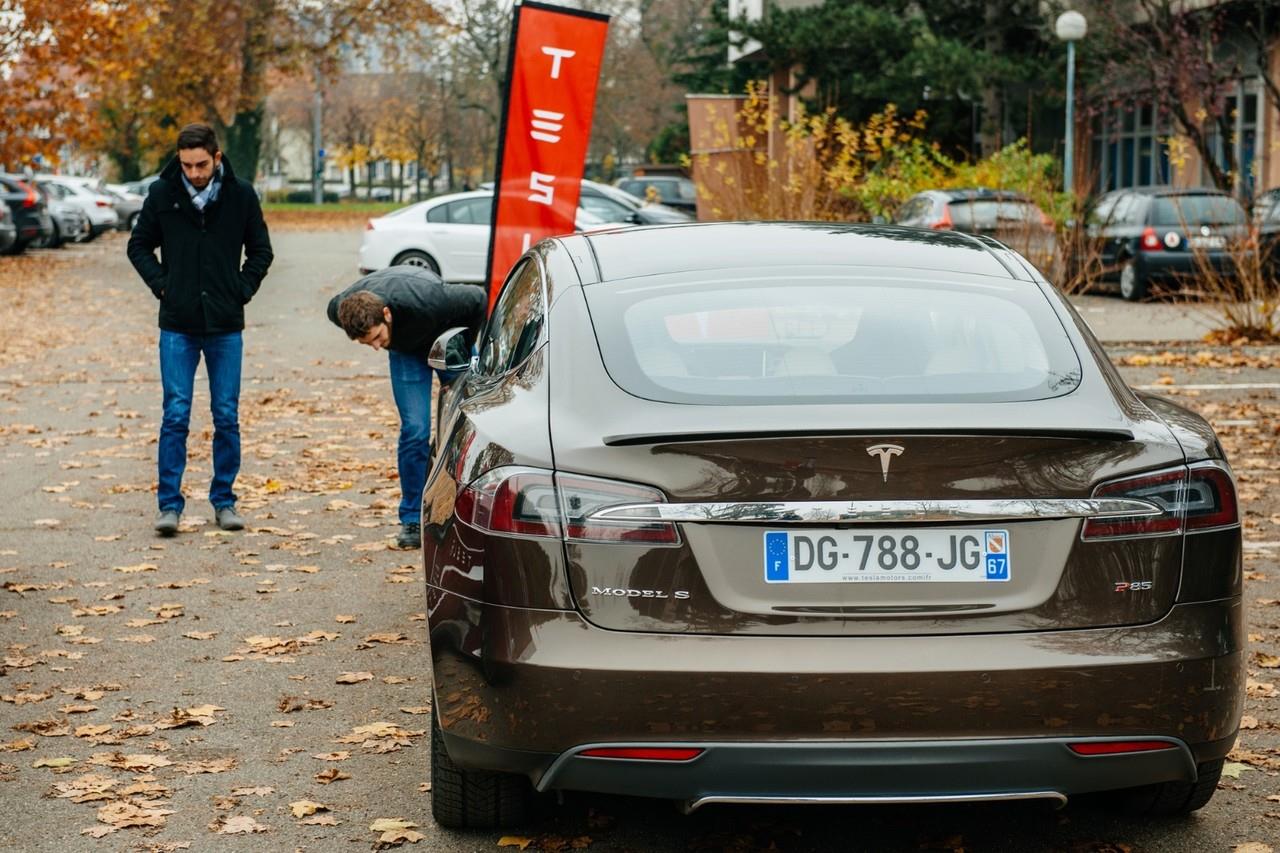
<point x="199" y="280"/>
<point x="422" y="306"/>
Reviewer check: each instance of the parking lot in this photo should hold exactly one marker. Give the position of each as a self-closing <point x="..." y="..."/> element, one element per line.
<point x="269" y="689"/>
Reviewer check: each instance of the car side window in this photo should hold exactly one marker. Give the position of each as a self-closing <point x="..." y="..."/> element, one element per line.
<point x="606" y="209"/>
<point x="438" y="214"/>
<point x="470" y="211"/>
<point x="516" y="323"/>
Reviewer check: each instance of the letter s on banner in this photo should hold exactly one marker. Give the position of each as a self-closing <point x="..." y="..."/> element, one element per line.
<point x="553" y="68"/>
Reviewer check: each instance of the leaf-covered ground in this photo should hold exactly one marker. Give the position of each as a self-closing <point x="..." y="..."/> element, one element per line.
<point x="269" y="689"/>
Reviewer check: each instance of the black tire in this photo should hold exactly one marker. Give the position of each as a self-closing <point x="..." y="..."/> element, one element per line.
<point x="1133" y="284"/>
<point x="1172" y="799"/>
<point x="414" y="258"/>
<point x="18" y="247"/>
<point x="475" y="799"/>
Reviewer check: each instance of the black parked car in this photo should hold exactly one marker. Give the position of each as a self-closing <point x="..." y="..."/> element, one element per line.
<point x="30" y="214"/>
<point x="1151" y="234"/>
<point x="672" y="190"/>
<point x="614" y="205"/>
<point x="8" y="232"/>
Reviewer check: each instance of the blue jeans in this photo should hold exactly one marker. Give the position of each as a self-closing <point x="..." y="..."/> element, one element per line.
<point x="179" y="356"/>
<point x="411" y="386"/>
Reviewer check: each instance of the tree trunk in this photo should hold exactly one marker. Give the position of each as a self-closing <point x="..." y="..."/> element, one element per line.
<point x="242" y="141"/>
<point x="417" y="179"/>
<point x="992" y="112"/>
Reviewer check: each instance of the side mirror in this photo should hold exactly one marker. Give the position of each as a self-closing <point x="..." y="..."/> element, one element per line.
<point x="635" y="218"/>
<point x="450" y="351"/>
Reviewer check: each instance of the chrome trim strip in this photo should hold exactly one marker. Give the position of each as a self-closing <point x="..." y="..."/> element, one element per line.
<point x="840" y="801"/>
<point x="878" y="512"/>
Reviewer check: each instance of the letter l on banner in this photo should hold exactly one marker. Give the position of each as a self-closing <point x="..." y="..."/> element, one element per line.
<point x="552" y="71"/>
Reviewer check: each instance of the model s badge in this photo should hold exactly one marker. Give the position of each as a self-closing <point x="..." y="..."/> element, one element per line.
<point x="886" y="452"/>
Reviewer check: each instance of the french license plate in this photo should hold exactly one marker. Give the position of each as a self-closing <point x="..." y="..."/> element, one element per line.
<point x="1215" y="242"/>
<point x="887" y="556"/>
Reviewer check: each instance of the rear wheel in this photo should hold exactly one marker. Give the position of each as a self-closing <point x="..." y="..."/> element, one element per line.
<point x="414" y="258"/>
<point x="1133" y="285"/>
<point x="1170" y="799"/>
<point x="474" y="799"/>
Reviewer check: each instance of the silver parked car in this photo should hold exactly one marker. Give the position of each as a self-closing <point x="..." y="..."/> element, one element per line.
<point x="128" y="204"/>
<point x="70" y="223"/>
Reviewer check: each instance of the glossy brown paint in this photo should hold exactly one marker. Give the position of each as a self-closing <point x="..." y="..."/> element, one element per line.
<point x="523" y="670"/>
<point x="546" y="681"/>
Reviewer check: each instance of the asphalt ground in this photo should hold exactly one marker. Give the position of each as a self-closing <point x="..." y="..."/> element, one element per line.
<point x="116" y="643"/>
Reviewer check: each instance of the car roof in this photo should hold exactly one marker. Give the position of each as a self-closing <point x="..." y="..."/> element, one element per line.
<point x="445" y="199"/>
<point x="698" y="246"/>
<point x="1165" y="190"/>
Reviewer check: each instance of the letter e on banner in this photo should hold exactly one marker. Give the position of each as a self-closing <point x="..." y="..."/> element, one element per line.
<point x="553" y="69"/>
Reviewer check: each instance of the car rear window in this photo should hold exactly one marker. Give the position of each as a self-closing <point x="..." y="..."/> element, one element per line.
<point x="990" y="213"/>
<point x="752" y="339"/>
<point x="1197" y="210"/>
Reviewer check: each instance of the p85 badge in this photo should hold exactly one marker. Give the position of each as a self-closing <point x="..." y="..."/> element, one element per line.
<point x="1133" y="586"/>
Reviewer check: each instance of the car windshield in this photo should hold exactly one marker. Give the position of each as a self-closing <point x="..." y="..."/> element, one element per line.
<point x="1197" y="210"/>
<point x="758" y="340"/>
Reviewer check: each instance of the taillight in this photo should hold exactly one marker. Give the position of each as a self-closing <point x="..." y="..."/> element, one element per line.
<point x="1199" y="497"/>
<point x="1150" y="240"/>
<point x="31" y="198"/>
<point x="368" y="225"/>
<point x="644" y="753"/>
<point x="582" y="496"/>
<point x="944" y="222"/>
<point x="100" y="203"/>
<point x="1211" y="498"/>
<point x="1118" y="747"/>
<point x="534" y="502"/>
<point x="521" y="501"/>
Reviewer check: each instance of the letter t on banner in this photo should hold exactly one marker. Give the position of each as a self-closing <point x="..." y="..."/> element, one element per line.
<point x="552" y="70"/>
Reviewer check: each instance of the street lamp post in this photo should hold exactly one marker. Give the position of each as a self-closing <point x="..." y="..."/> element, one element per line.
<point x="1070" y="27"/>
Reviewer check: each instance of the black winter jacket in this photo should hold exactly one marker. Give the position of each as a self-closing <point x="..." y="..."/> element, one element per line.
<point x="199" y="280"/>
<point x="422" y="306"/>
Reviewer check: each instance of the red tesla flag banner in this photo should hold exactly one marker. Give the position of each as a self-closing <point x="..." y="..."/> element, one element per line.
<point x="552" y="70"/>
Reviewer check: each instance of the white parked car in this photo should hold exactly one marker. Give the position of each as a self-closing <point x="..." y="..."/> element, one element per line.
<point x="448" y="234"/>
<point x="99" y="208"/>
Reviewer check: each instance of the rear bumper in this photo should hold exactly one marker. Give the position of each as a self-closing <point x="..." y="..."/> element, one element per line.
<point x="971" y="716"/>
<point x="1168" y="266"/>
<point x="893" y="771"/>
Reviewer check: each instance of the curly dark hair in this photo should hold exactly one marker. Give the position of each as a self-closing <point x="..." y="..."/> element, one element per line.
<point x="360" y="312"/>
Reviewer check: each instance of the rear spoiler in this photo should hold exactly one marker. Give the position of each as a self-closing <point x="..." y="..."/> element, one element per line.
<point x="632" y="439"/>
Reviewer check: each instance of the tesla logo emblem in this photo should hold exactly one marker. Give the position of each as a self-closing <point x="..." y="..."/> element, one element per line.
<point x="885" y="452"/>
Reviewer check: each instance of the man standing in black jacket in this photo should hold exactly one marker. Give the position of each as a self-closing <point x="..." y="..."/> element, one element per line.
<point x="403" y="310"/>
<point x="201" y="217"/>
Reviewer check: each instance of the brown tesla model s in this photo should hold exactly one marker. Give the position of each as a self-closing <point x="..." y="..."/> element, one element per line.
<point x="779" y="513"/>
